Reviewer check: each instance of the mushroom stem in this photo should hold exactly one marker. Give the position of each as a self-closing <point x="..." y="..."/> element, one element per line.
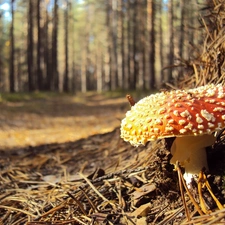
<point x="190" y="152"/>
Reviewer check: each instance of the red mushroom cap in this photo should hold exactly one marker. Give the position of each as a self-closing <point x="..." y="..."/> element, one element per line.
<point x="176" y="113"/>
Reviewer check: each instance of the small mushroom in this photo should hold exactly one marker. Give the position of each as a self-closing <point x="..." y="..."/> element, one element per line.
<point x="192" y="116"/>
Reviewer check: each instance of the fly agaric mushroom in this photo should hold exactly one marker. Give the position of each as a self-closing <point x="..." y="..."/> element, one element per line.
<point x="192" y="116"/>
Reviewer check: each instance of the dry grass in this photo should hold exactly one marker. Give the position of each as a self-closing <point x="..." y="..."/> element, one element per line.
<point x="208" y="66"/>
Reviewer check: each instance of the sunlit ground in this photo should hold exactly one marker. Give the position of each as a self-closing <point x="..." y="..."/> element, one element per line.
<point x="57" y="119"/>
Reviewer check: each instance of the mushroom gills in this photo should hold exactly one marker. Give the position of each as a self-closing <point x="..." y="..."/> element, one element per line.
<point x="190" y="152"/>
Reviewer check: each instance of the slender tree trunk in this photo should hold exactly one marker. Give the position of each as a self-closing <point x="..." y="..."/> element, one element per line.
<point x="66" y="72"/>
<point x="130" y="44"/>
<point x="84" y="69"/>
<point x="47" y="53"/>
<point x="171" y="39"/>
<point x="12" y="51"/>
<point x="120" y="63"/>
<point x="142" y="28"/>
<point x="135" y="49"/>
<point x="113" y="43"/>
<point x="125" y="46"/>
<point x="182" y="16"/>
<point x="151" y="44"/>
<point x="73" y="79"/>
<point x="39" y="46"/>
<point x="30" y="48"/>
<point x="99" y="71"/>
<point x="161" y="44"/>
<point x="55" y="74"/>
<point x="107" y="59"/>
<point x="19" y="70"/>
<point x="123" y="59"/>
<point x="85" y="50"/>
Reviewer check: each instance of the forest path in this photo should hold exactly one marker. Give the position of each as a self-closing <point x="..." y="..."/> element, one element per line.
<point x="58" y="119"/>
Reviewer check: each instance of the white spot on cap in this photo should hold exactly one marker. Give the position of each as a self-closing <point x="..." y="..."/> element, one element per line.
<point x="162" y="111"/>
<point x="169" y="129"/>
<point x="211" y="125"/>
<point x="176" y="113"/>
<point x="185" y="114"/>
<point x="145" y="128"/>
<point x="199" y="119"/>
<point x="221" y="95"/>
<point x="182" y="122"/>
<point x="158" y="121"/>
<point x="210" y="100"/>
<point x="189" y="126"/>
<point x="182" y="131"/>
<point x="200" y="126"/>
<point x="208" y="116"/>
<point x="218" y="109"/>
<point x="209" y="131"/>
<point x="129" y="126"/>
<point x="221" y="103"/>
<point x="171" y="121"/>
<point x="156" y="130"/>
<point x="177" y="105"/>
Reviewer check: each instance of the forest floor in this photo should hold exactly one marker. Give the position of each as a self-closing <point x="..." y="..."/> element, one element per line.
<point x="58" y="119"/>
<point x="63" y="162"/>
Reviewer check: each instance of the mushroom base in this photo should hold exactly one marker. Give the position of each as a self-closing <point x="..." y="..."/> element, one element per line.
<point x="191" y="154"/>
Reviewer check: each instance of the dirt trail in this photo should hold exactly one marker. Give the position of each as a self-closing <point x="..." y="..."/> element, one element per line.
<point x="58" y="119"/>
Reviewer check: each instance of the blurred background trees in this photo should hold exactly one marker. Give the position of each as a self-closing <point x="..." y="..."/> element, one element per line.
<point x="100" y="45"/>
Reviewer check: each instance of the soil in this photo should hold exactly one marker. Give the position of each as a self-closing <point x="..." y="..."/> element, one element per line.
<point x="67" y="164"/>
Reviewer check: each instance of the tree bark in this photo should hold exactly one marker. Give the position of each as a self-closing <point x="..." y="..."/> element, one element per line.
<point x="171" y="39"/>
<point x="55" y="74"/>
<point x="66" y="72"/>
<point x="39" y="46"/>
<point x="161" y="44"/>
<point x="135" y="42"/>
<point x="113" y="44"/>
<point x="30" y="59"/>
<point x="12" y="51"/>
<point x="47" y="53"/>
<point x="130" y="57"/>
<point x="120" y="44"/>
<point x="151" y="42"/>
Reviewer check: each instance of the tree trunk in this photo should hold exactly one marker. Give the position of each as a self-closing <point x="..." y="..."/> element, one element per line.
<point x="107" y="59"/>
<point x="120" y="47"/>
<point x="161" y="44"/>
<point x="39" y="46"/>
<point x="55" y="74"/>
<point x="171" y="39"/>
<point x="99" y="71"/>
<point x="151" y="42"/>
<point x="113" y="44"/>
<point x="30" y="48"/>
<point x="47" y="53"/>
<point x="66" y="72"/>
<point x="135" y="49"/>
<point x="74" y="78"/>
<point x="142" y="28"/>
<point x="130" y="44"/>
<point x="12" y="51"/>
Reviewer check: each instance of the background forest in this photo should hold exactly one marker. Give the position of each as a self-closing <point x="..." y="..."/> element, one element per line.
<point x="81" y="45"/>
